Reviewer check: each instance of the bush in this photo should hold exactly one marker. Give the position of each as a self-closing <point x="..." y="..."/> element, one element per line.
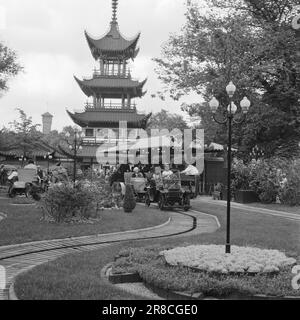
<point x="240" y="175"/>
<point x="265" y="179"/>
<point x="63" y="201"/>
<point x="290" y="185"/>
<point x="271" y="179"/>
<point x="102" y="193"/>
<point x="129" y="200"/>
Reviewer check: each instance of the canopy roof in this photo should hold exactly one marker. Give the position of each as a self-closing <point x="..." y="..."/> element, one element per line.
<point x="18" y="152"/>
<point x="113" y="45"/>
<point x="109" y="118"/>
<point x="110" y="87"/>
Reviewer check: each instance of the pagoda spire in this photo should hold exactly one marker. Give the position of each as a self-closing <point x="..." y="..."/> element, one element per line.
<point x="114" y="11"/>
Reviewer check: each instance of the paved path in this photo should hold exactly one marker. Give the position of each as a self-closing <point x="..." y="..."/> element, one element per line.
<point x="22" y="257"/>
<point x="246" y="209"/>
<point x="2" y="216"/>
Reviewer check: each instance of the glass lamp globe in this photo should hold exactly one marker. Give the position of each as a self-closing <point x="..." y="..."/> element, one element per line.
<point x="245" y="105"/>
<point x="50" y="157"/>
<point x="70" y="147"/>
<point x="232" y="109"/>
<point x="230" y="89"/>
<point x="80" y="148"/>
<point x="214" y="105"/>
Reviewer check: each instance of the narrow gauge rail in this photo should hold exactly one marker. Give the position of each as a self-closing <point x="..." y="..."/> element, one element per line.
<point x="21" y="261"/>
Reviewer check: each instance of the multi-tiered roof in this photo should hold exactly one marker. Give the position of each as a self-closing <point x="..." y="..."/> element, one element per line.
<point x="112" y="81"/>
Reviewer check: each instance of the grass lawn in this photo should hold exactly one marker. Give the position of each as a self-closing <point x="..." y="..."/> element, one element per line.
<point x="276" y="207"/>
<point x="23" y="223"/>
<point x="77" y="276"/>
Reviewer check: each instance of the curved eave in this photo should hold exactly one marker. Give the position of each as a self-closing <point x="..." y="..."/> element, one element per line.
<point x="89" y="90"/>
<point x="85" y="89"/>
<point x="97" y="51"/>
<point x="142" y="123"/>
<point x="136" y="52"/>
<point x="91" y="44"/>
<point x="141" y="85"/>
<point x="76" y="119"/>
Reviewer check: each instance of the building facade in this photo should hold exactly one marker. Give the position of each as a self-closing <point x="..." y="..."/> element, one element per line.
<point x="111" y="89"/>
<point x="47" y="122"/>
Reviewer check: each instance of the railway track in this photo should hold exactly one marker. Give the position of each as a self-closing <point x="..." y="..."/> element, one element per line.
<point x="20" y="258"/>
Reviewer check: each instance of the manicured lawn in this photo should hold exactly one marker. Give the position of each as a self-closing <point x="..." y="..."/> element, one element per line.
<point x="77" y="276"/>
<point x="73" y="277"/>
<point x="276" y="207"/>
<point x="254" y="229"/>
<point x="24" y="224"/>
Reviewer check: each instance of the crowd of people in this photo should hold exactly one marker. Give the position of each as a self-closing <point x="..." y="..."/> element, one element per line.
<point x="156" y="173"/>
<point x="111" y="174"/>
<point x="9" y="174"/>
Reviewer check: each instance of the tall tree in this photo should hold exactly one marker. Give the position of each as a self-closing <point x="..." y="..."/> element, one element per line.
<point x="7" y="140"/>
<point x="9" y="66"/>
<point x="27" y="137"/>
<point x="167" y="120"/>
<point x="251" y="43"/>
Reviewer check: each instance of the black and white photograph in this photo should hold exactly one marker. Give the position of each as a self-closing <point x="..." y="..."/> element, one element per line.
<point x="149" y="153"/>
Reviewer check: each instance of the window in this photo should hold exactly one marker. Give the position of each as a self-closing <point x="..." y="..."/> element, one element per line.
<point x="89" y="132"/>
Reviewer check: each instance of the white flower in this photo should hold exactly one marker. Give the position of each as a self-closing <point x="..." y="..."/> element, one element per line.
<point x="212" y="258"/>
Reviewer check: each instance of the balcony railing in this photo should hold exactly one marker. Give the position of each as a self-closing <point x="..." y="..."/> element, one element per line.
<point x="98" y="74"/>
<point x="110" y="74"/>
<point x="110" y="106"/>
<point x="98" y="140"/>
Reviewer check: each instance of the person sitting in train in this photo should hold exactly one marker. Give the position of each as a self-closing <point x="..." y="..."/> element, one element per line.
<point x="191" y="170"/>
<point x="137" y="173"/>
<point x="167" y="172"/>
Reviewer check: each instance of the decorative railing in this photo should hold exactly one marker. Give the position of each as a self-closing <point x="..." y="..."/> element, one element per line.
<point x="110" y="74"/>
<point x="98" y="140"/>
<point x="116" y="74"/>
<point x="110" y="106"/>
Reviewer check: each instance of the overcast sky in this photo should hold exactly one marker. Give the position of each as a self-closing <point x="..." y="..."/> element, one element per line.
<point x="48" y="36"/>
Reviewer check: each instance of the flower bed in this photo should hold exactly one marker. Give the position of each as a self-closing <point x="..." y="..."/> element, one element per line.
<point x="211" y="258"/>
<point x="151" y="266"/>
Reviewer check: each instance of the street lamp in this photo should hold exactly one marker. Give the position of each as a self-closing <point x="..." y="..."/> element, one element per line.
<point x="22" y="159"/>
<point x="229" y="118"/>
<point x="48" y="157"/>
<point x="75" y="147"/>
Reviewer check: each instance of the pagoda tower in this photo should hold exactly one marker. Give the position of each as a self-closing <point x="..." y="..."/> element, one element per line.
<point x="111" y="88"/>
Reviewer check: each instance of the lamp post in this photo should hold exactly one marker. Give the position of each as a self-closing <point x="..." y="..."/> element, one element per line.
<point x="22" y="159"/>
<point x="48" y="157"/>
<point x="256" y="153"/>
<point x="229" y="118"/>
<point x="75" y="146"/>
